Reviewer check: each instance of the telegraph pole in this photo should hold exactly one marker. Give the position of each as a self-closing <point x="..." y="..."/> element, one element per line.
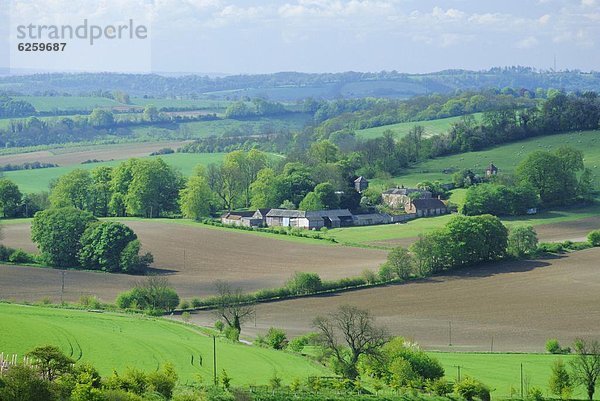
<point x="62" y="285"/>
<point x="521" y="381"/>
<point x="215" y="360"/>
<point x="450" y="333"/>
<point x="458" y="369"/>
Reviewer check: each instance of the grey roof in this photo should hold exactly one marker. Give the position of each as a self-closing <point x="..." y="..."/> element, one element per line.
<point x="361" y="179"/>
<point x="403" y="191"/>
<point x="428" y="203"/>
<point x="262" y="212"/>
<point x="309" y="215"/>
<point x="238" y="215"/>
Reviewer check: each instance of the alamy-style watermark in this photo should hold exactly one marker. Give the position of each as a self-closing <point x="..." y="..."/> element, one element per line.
<point x="80" y="35"/>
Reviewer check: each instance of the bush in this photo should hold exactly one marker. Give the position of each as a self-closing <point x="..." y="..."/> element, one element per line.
<point x="90" y="301"/>
<point x="153" y="295"/>
<point x="535" y="394"/>
<point x="369" y="276"/>
<point x="594" y="238"/>
<point x="275" y="338"/>
<point x="551" y="247"/>
<point x="553" y="347"/>
<point x="5" y="253"/>
<point x="232" y="333"/>
<point x="219" y="326"/>
<point x="304" y="283"/>
<point x="184" y="305"/>
<point x="297" y="344"/>
<point x="20" y="256"/>
<point x="471" y="389"/>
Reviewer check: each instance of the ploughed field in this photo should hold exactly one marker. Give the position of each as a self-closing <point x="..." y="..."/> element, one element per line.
<point x="192" y="257"/>
<point x="517" y="304"/>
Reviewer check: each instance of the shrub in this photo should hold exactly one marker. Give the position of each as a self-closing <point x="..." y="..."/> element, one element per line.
<point x="196" y="303"/>
<point x="219" y="325"/>
<point x="90" y="301"/>
<point x="184" y="305"/>
<point x="535" y="394"/>
<point x="551" y="247"/>
<point x="5" y="253"/>
<point x="297" y="344"/>
<point x="552" y="346"/>
<point x="231" y="333"/>
<point x="275" y="338"/>
<point x="594" y="238"/>
<point x="20" y="256"/>
<point x="304" y="283"/>
<point x="471" y="389"/>
<point x="153" y="295"/>
<point x="369" y="276"/>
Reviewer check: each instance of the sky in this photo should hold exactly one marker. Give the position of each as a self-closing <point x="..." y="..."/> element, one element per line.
<point x="251" y="36"/>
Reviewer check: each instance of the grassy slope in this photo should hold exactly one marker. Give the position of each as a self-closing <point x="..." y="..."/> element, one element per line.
<point x="506" y="157"/>
<point x="365" y="235"/>
<point x="112" y="341"/>
<point x="38" y="180"/>
<point x="502" y="371"/>
<point x="50" y="103"/>
<point x="432" y="127"/>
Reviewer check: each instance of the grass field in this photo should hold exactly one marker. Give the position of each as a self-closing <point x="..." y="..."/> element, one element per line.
<point x="502" y="372"/>
<point x="38" y="180"/>
<point x="505" y="157"/>
<point x="432" y="127"/>
<point x="392" y="234"/>
<point x="113" y="341"/>
<point x="52" y="103"/>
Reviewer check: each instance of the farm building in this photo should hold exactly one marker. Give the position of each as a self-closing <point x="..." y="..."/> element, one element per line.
<point x="361" y="184"/>
<point x="245" y="218"/>
<point x="310" y="220"/>
<point x="426" y="207"/>
<point x="399" y="198"/>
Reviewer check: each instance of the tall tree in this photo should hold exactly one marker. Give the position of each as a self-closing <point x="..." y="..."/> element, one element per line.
<point x="57" y="232"/>
<point x="348" y="333"/>
<point x="73" y="189"/>
<point x="586" y="365"/>
<point x="10" y="198"/>
<point x="232" y="306"/>
<point x="196" y="199"/>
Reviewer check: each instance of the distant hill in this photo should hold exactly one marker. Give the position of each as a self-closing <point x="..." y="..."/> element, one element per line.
<point x="292" y="86"/>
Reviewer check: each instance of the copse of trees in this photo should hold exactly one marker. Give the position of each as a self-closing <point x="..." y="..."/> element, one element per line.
<point x="70" y="237"/>
<point x="499" y="200"/>
<point x="553" y="175"/>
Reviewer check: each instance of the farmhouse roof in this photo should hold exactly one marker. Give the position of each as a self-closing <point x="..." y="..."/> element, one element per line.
<point x="428" y="203"/>
<point x="334" y="213"/>
<point x="403" y="191"/>
<point x="262" y="211"/>
<point x="238" y="215"/>
<point x="361" y="179"/>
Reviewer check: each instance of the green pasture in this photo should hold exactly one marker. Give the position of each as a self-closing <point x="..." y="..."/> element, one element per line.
<point x="502" y="372"/>
<point x="31" y="181"/>
<point x="52" y="103"/>
<point x="432" y="127"/>
<point x="372" y="234"/>
<point x="505" y="157"/>
<point x="115" y="341"/>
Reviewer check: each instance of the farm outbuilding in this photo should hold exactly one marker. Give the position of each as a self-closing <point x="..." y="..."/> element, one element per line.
<point x="309" y="219"/>
<point x="427" y="207"/>
<point x="244" y="218"/>
<point x="399" y="198"/>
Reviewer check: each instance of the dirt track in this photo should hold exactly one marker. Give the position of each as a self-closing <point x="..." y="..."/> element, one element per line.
<point x="193" y="257"/>
<point x="519" y="304"/>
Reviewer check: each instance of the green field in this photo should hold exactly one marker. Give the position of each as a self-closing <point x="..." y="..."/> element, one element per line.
<point x="369" y="234"/>
<point x="52" y="103"/>
<point x="501" y="372"/>
<point x="30" y="181"/>
<point x="505" y="157"/>
<point x="183" y="103"/>
<point x="114" y="341"/>
<point x="432" y="127"/>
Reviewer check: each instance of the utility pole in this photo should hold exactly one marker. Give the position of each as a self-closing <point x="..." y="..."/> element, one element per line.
<point x="450" y="333"/>
<point x="521" y="381"/>
<point x="458" y="368"/>
<point x="492" y="346"/>
<point x="183" y="258"/>
<point x="62" y="285"/>
<point x="215" y="360"/>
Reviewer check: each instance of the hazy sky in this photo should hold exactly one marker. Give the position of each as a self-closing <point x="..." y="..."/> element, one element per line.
<point x="251" y="36"/>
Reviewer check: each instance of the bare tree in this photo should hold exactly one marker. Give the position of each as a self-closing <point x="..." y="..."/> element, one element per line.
<point x="348" y="333"/>
<point x="232" y="306"/>
<point x="586" y="365"/>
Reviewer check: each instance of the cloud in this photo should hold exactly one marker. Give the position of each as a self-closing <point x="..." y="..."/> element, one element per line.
<point x="543" y="20"/>
<point x="527" y="43"/>
<point x="588" y="3"/>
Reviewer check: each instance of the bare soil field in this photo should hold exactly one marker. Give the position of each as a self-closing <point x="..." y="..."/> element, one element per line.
<point x="193" y="257"/>
<point x="76" y="155"/>
<point x="517" y="304"/>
